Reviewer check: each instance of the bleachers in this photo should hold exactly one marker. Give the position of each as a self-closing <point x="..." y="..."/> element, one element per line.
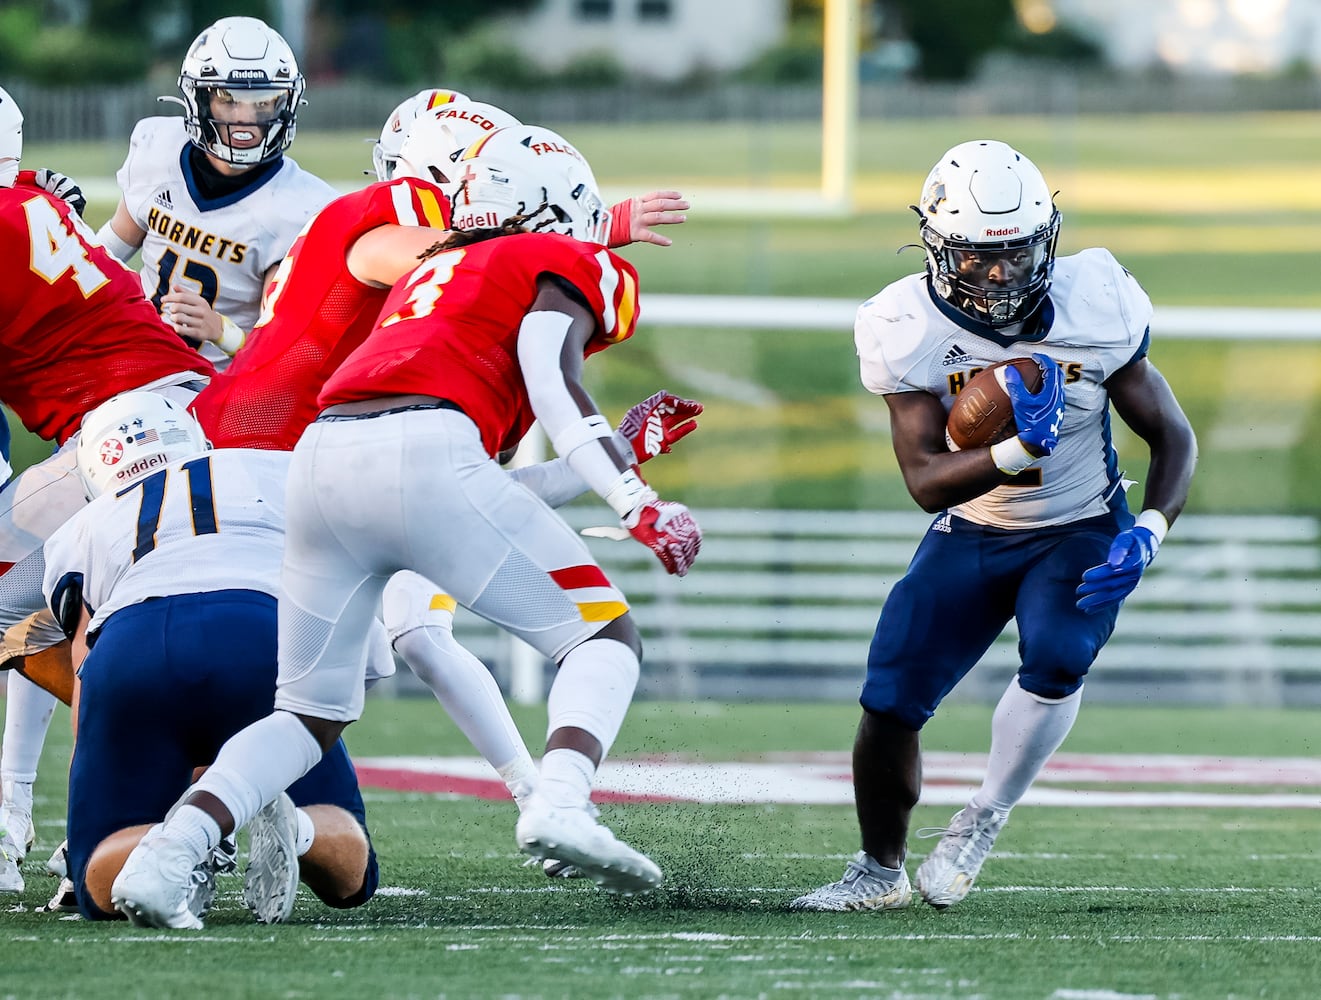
<point x="782" y="605"/>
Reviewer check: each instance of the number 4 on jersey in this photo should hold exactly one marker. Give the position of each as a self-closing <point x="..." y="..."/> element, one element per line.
<point x="55" y="251"/>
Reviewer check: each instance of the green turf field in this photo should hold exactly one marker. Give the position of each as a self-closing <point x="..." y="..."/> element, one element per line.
<point x="1166" y="903"/>
<point x="1205" y="210"/>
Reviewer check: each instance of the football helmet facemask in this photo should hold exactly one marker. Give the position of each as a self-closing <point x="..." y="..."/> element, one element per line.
<point x="133" y="435"/>
<point x="385" y="153"/>
<point x="438" y="137"/>
<point x="532" y="177"/>
<point x="241" y="92"/>
<point x="989" y="228"/>
<point x="11" y="139"/>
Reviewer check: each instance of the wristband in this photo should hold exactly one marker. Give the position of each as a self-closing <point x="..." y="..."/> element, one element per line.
<point x="110" y="239"/>
<point x="592" y="427"/>
<point x="1012" y="457"/>
<point x="232" y="336"/>
<point x="620" y="233"/>
<point x="1155" y="522"/>
<point x="628" y="493"/>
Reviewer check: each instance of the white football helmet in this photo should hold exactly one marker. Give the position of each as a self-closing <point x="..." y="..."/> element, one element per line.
<point x="438" y="137"/>
<point x="532" y="178"/>
<point x="385" y="154"/>
<point x="241" y="91"/>
<point x="11" y="139"/>
<point x="989" y="227"/>
<point x="133" y="435"/>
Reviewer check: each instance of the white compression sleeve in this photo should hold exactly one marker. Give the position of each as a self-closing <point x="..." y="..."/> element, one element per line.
<point x="109" y="239"/>
<point x="586" y="441"/>
<point x="554" y="482"/>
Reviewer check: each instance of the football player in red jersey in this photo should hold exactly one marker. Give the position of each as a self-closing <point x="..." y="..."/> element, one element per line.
<point x="400" y="471"/>
<point x="75" y="330"/>
<point x="321" y="305"/>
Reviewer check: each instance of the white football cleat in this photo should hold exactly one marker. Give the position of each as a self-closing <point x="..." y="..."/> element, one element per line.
<point x="270" y="882"/>
<point x="11" y="879"/>
<point x="948" y="873"/>
<point x="65" y="899"/>
<point x="571" y="835"/>
<point x="156" y="885"/>
<point x="863" y="887"/>
<point x="58" y="863"/>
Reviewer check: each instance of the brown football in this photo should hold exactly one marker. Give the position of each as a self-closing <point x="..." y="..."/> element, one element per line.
<point x="982" y="414"/>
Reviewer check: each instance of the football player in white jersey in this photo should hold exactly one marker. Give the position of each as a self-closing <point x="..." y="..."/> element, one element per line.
<point x="171" y="575"/>
<point x="214" y="205"/>
<point x="210" y="198"/>
<point x="1035" y="528"/>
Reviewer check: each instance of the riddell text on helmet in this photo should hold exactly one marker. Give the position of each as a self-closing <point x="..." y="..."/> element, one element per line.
<point x="140" y="466"/>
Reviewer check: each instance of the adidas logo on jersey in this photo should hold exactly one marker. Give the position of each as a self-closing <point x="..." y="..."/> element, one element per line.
<point x="944" y="523"/>
<point x="956" y="355"/>
<point x="163" y="199"/>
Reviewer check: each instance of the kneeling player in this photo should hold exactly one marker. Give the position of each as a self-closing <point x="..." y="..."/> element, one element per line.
<point x="171" y="574"/>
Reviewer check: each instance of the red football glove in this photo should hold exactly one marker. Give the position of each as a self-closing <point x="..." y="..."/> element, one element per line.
<point x="656" y="424"/>
<point x="669" y="530"/>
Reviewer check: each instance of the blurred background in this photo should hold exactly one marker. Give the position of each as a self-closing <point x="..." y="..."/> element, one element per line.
<point x="1184" y="136"/>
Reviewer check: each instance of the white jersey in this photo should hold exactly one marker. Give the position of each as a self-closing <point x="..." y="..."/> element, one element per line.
<point x="211" y="522"/>
<point x="219" y="247"/>
<point x="1096" y="322"/>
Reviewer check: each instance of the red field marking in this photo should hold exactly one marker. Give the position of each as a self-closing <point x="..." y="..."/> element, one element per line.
<point x="1132" y="780"/>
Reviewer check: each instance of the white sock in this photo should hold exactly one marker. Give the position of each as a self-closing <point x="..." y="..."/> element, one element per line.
<point x="566" y="777"/>
<point x="195" y="828"/>
<point x="592" y="690"/>
<point x="520" y="778"/>
<point x="28" y="711"/>
<point x="306" y="833"/>
<point x="15" y="794"/>
<point x="469" y="694"/>
<point x="258" y="763"/>
<point x="1025" y="731"/>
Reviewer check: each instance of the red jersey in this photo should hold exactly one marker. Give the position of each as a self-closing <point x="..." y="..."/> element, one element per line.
<point x="450" y="329"/>
<point x="316" y="312"/>
<point x="75" y="328"/>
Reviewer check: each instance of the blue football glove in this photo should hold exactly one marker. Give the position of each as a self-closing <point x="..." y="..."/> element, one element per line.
<point x="1130" y="554"/>
<point x="1040" y="414"/>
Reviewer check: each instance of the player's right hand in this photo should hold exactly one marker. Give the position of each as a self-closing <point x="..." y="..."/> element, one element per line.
<point x="62" y="186"/>
<point x="669" y="530"/>
<point x="631" y="220"/>
<point x="1038" y="415"/>
<point x="656" y="424"/>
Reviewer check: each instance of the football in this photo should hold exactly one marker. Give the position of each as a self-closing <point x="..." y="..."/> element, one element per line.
<point x="982" y="414"/>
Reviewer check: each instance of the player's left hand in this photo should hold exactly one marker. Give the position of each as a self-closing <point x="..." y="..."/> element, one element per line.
<point x="631" y="220"/>
<point x="1109" y="583"/>
<point x="62" y="186"/>
<point x="669" y="530"/>
<point x="191" y="315"/>
<point x="1038" y="415"/>
<point x="656" y="424"/>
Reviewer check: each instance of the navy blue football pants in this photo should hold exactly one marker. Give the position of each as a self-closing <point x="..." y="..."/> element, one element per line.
<point x="166" y="683"/>
<point x="962" y="588"/>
